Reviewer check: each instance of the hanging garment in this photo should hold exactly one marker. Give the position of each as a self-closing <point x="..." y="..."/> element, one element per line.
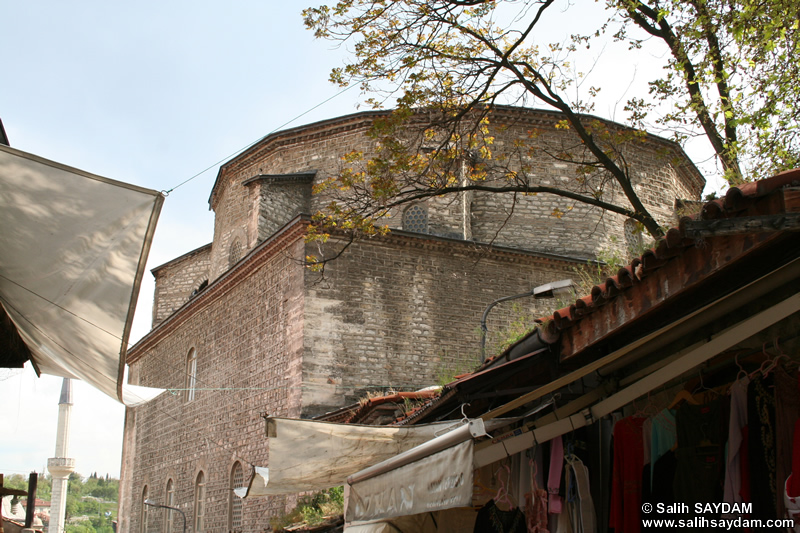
<point x="536" y="505"/>
<point x="737" y="422"/>
<point x="579" y="496"/>
<point x="791" y="489"/>
<point x="490" y="519"/>
<point x="702" y="432"/>
<point x="626" y="478"/>
<point x="664" y="437"/>
<point x="787" y="409"/>
<point x="647" y="440"/>
<point x="761" y="446"/>
<point x="792" y="506"/>
<point x="554" y="476"/>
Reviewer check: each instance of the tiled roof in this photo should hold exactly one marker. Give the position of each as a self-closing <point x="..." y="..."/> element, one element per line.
<point x="576" y="324"/>
<point x="375" y="410"/>
<point x="685" y="267"/>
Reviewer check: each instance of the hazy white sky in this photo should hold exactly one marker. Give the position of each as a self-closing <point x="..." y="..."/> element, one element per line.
<point x="152" y="93"/>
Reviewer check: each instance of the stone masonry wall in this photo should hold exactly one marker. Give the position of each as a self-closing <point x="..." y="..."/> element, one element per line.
<point x="280" y="200"/>
<point x="552" y="224"/>
<point x="233" y="220"/>
<point x="663" y="175"/>
<point x="404" y="312"/>
<point x="176" y="280"/>
<point x="248" y="340"/>
<point x="236" y="205"/>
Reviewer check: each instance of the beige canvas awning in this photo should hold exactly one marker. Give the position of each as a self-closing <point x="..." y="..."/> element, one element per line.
<point x="72" y="255"/>
<point x="306" y="455"/>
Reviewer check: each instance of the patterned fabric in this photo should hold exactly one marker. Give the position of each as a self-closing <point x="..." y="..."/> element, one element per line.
<point x="761" y="445"/>
<point x="536" y="505"/>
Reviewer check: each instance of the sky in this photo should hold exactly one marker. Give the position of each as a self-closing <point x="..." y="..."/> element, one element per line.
<point x="154" y="93"/>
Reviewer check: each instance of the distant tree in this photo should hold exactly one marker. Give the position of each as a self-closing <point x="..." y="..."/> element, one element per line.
<point x="43" y="487"/>
<point x="732" y="72"/>
<point x="89" y="507"/>
<point x="16" y="481"/>
<point x="84" y="526"/>
<point x="73" y="506"/>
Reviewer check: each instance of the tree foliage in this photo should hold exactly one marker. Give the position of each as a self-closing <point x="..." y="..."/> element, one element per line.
<point x="446" y="64"/>
<point x="732" y="70"/>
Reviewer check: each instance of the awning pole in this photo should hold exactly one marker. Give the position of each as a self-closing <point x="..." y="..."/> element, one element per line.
<point x="717" y="344"/>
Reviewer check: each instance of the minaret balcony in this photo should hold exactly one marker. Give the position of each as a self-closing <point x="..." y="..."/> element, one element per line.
<point x="61" y="466"/>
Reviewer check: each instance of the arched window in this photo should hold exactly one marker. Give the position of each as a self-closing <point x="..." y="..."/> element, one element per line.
<point x="143" y="523"/>
<point x="191" y="374"/>
<point x="235" y="252"/>
<point x="169" y="501"/>
<point x="415" y="218"/>
<point x="199" y="503"/>
<point x="234" y="501"/>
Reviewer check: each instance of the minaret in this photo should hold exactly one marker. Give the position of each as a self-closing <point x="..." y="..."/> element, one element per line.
<point x="60" y="466"/>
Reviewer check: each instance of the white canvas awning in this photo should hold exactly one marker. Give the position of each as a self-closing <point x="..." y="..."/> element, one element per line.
<point x="439" y="481"/>
<point x="434" y="476"/>
<point x="307" y="455"/>
<point x="72" y="255"/>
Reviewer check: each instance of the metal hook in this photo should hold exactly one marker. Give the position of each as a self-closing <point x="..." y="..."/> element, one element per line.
<point x="464" y="417"/>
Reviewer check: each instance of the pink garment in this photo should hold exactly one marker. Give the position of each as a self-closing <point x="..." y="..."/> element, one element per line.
<point x="536" y="505"/>
<point x="554" y="476"/>
<point x="738" y="420"/>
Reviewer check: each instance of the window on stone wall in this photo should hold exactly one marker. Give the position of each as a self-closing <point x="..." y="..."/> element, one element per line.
<point x="169" y="501"/>
<point x="199" y="503"/>
<point x="143" y="522"/>
<point x="415" y="218"/>
<point x="191" y="375"/>
<point x="200" y="288"/>
<point x="235" y="252"/>
<point x="234" y="501"/>
<point x="633" y="238"/>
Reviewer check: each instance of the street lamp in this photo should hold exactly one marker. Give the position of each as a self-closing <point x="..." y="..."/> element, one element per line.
<point x="548" y="290"/>
<point x="154" y="504"/>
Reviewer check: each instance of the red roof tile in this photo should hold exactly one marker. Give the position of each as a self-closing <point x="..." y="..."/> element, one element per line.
<point x="751" y="199"/>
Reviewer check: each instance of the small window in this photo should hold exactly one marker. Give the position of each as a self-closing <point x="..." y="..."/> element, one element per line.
<point x="415" y="219"/>
<point x="143" y="523"/>
<point x="169" y="501"/>
<point x="191" y="375"/>
<point x="199" y="288"/>
<point x="633" y="238"/>
<point x="199" y="503"/>
<point x="235" y="252"/>
<point x="234" y="501"/>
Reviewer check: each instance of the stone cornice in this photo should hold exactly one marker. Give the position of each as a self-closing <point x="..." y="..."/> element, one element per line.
<point x="171" y="262"/>
<point x="295" y="177"/>
<point x="474" y="249"/>
<point x="283" y="238"/>
<point x="363" y="120"/>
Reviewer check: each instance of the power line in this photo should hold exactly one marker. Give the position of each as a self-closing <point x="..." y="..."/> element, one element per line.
<point x="237" y="152"/>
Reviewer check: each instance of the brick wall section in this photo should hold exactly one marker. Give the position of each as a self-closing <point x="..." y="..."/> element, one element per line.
<point x="233" y="219"/>
<point x="280" y="200"/>
<point x="248" y="337"/>
<point x="404" y="311"/>
<point x="399" y="312"/>
<point x="176" y="280"/>
<point x="528" y="221"/>
<point x="318" y="147"/>
<point x="664" y="175"/>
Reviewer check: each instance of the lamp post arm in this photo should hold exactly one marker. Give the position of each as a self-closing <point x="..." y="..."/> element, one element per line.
<point x="183" y="515"/>
<point x="484" y="329"/>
